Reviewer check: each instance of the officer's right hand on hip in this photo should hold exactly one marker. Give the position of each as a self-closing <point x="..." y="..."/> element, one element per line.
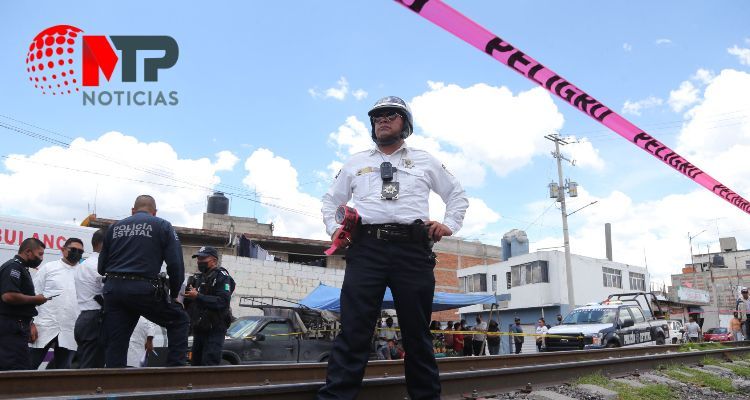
<point x="437" y="230"/>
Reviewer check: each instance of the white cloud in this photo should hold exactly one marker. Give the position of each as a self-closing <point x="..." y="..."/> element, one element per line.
<point x="351" y="137"/>
<point x="488" y="126"/>
<point x="718" y="129"/>
<point x="716" y="138"/>
<point x="685" y="96"/>
<point x="478" y="216"/>
<point x="635" y="107"/>
<point x="338" y="92"/>
<point x="293" y="212"/>
<point x="585" y="154"/>
<point x="359" y="94"/>
<point x="354" y="136"/>
<point x="655" y="230"/>
<point x="662" y="41"/>
<point x="225" y="161"/>
<point x="703" y="76"/>
<point x="62" y="183"/>
<point x="627" y="47"/>
<point x="742" y="54"/>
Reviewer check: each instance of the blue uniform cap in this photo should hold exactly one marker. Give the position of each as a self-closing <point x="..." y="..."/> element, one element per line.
<point x="207" y="251"/>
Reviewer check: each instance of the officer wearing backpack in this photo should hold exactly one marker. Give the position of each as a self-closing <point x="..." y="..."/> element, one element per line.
<point x="207" y="298"/>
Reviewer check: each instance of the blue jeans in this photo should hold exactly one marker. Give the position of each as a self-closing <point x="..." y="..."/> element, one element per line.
<point x="124" y="302"/>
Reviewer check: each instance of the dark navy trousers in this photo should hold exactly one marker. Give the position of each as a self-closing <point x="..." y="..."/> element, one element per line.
<point x="371" y="266"/>
<point x="207" y="346"/>
<point x="88" y="335"/>
<point x="14" y="343"/>
<point x="124" y="302"/>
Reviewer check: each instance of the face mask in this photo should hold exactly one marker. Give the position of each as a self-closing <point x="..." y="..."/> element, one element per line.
<point x="33" y="263"/>
<point x="74" y="255"/>
<point x="203" y="266"/>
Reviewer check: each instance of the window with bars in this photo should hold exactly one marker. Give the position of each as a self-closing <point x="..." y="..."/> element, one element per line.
<point x="637" y="281"/>
<point x="494" y="283"/>
<point x="474" y="283"/>
<point x="611" y="277"/>
<point x="508" y="279"/>
<point x="525" y="274"/>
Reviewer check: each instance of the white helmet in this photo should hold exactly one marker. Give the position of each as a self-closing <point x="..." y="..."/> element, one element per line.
<point x="398" y="105"/>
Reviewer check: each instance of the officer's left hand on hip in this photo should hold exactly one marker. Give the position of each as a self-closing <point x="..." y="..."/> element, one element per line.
<point x="437" y="230"/>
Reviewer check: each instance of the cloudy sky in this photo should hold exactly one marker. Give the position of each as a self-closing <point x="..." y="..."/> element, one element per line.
<point x="273" y="98"/>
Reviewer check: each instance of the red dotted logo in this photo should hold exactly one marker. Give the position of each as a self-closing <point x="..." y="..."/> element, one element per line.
<point x="50" y="61"/>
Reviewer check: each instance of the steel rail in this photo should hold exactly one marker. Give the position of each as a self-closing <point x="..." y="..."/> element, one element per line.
<point x="300" y="380"/>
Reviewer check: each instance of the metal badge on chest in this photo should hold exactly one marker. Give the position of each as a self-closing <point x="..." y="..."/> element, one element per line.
<point x="389" y="190"/>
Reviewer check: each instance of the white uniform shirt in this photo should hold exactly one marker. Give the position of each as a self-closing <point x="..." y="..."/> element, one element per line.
<point x="88" y="283"/>
<point x="57" y="317"/>
<point x="137" y="346"/>
<point x="418" y="172"/>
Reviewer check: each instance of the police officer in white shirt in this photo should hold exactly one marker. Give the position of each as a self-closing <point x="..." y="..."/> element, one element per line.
<point x="390" y="185"/>
<point x="87" y="331"/>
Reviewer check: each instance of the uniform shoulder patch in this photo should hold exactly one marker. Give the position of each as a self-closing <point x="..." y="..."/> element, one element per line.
<point x="16" y="274"/>
<point x="446" y="169"/>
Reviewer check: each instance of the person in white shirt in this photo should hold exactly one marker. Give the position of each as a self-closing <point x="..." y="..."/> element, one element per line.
<point x="141" y="343"/>
<point x="88" y="326"/>
<point x="53" y="327"/>
<point x="743" y="311"/>
<point x="389" y="186"/>
<point x="385" y="334"/>
<point x="693" y="331"/>
<point x="541" y="330"/>
<point x="477" y="341"/>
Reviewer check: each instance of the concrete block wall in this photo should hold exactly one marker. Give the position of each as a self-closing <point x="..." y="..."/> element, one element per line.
<point x="221" y="223"/>
<point x="291" y="281"/>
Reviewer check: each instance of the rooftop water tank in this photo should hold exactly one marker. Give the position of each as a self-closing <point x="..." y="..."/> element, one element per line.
<point x="218" y="204"/>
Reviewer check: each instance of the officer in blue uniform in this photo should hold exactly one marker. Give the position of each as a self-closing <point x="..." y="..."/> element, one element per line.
<point x="389" y="186"/>
<point x="131" y="258"/>
<point x="207" y="298"/>
<point x="18" y="305"/>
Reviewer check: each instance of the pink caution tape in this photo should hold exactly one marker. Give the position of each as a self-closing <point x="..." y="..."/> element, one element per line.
<point x="454" y="22"/>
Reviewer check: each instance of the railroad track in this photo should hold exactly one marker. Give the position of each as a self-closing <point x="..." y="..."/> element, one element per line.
<point x="383" y="380"/>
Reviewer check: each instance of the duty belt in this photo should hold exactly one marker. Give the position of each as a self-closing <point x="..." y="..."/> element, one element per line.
<point x="415" y="233"/>
<point x="130" y="277"/>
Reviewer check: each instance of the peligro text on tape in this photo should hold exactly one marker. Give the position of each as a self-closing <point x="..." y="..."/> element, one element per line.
<point x="469" y="31"/>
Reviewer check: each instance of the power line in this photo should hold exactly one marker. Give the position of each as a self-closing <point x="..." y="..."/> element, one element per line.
<point x="193" y="187"/>
<point x="160" y="171"/>
<point x="164" y="173"/>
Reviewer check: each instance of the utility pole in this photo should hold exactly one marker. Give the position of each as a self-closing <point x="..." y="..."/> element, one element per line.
<point x="713" y="283"/>
<point x="692" y="260"/>
<point x="557" y="190"/>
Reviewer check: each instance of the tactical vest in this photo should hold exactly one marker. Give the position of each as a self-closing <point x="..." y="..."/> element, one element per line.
<point x="202" y="318"/>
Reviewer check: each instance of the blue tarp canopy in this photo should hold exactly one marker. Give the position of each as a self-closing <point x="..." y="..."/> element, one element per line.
<point x="327" y="298"/>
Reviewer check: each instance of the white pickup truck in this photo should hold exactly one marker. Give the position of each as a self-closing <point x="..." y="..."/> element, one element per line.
<point x="621" y="320"/>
